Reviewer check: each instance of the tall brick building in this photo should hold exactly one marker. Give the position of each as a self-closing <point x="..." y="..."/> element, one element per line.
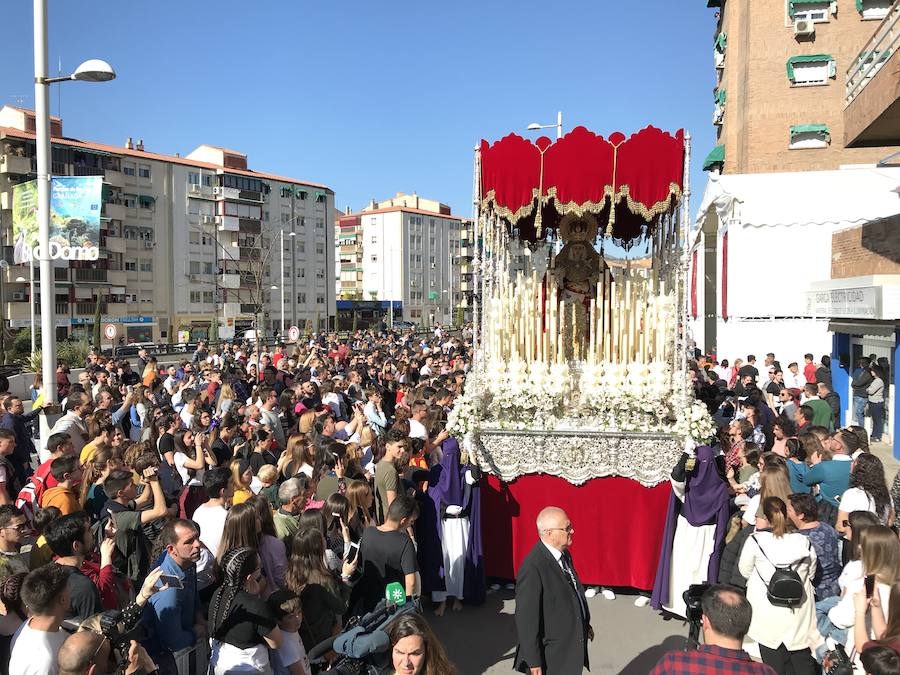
<point x="795" y="247"/>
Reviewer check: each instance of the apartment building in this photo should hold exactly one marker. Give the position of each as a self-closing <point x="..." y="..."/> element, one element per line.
<point x="409" y="253"/>
<point x="781" y="73"/>
<point x="185" y="241"/>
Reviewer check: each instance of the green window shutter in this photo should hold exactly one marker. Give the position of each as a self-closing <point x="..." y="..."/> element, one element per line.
<point x="301" y="194"/>
<point x="722" y="42"/>
<point x="719" y="96"/>
<point x="716" y="156"/>
<point x="810" y="129"/>
<point x="811" y="58"/>
<point x="859" y="5"/>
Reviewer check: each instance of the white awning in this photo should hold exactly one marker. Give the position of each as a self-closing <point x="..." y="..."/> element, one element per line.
<point x="844" y="197"/>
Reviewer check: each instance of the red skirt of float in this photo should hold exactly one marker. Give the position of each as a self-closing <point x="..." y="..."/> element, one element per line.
<point x="618" y="524"/>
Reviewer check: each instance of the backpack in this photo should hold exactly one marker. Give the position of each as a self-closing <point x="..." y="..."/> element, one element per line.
<point x="785" y="587"/>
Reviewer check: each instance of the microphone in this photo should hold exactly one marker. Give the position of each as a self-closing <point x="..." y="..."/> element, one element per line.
<point x="395" y="594"/>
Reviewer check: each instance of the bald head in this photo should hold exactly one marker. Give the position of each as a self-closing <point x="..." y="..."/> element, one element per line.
<point x="76" y="655"/>
<point x="554" y="528"/>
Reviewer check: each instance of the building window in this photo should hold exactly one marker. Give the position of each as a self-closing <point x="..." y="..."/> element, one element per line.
<point x="195" y="296"/>
<point x="194" y="267"/>
<point x="301" y="194"/>
<point x="131" y="265"/>
<point x="208" y="297"/>
<point x="208" y="268"/>
<point x="193" y="178"/>
<point x="301" y="273"/>
<point x="128" y="169"/>
<point x="301" y="298"/>
<point x="320" y="274"/>
<point x="873" y="9"/>
<point x="144" y="171"/>
<point x="286" y="192"/>
<point x="194" y="237"/>
<point x="129" y="201"/>
<point x="145" y="202"/>
<point x="816" y="69"/>
<point x="816" y="11"/>
<point x="301" y="247"/>
<point x="320" y="249"/>
<point x="146" y="265"/>
<point x="808" y="136"/>
<point x="320" y="224"/>
<point x="320" y="299"/>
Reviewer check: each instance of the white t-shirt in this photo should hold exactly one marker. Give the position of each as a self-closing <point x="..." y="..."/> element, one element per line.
<point x="34" y="651"/>
<point x="855" y="499"/>
<point x="752" y="508"/>
<point x="211" y="520"/>
<point x="187" y="418"/>
<point x="180" y="459"/>
<point x="292" y="651"/>
<point x="417" y="430"/>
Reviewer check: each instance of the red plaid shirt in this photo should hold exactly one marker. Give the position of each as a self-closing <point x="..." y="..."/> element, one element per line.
<point x="710" y="659"/>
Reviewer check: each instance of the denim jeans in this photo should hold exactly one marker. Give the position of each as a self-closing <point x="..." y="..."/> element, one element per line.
<point x="859" y="410"/>
<point x="824" y="625"/>
<point x="876" y="412"/>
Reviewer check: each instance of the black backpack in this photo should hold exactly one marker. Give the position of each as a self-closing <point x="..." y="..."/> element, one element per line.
<point x="785" y="587"/>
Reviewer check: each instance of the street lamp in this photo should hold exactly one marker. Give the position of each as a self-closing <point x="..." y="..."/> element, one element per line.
<point x="290" y="234"/>
<point x="93" y="70"/>
<point x="534" y="126"/>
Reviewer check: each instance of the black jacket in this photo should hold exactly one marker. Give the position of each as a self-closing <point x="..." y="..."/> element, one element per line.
<point x="728" y="564"/>
<point x="834" y="400"/>
<point x="550" y="629"/>
<point x="862" y="378"/>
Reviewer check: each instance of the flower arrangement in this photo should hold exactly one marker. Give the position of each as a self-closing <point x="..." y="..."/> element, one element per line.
<point x="695" y="422"/>
<point x="463" y="419"/>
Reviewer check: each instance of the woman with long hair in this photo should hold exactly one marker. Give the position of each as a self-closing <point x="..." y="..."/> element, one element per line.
<point x="104" y="460"/>
<point x="226" y="400"/>
<point x="324" y="599"/>
<point x="272" y="550"/>
<point x="241" y="625"/>
<point x="337" y="524"/>
<point x="415" y="649"/>
<point x="165" y="444"/>
<point x="242" y="473"/>
<point x="298" y="457"/>
<point x="868" y="491"/>
<point x="361" y="500"/>
<point x="782" y="632"/>
<point x="885" y="624"/>
<point x="774" y="481"/>
<point x="191" y="459"/>
<point x="150" y="371"/>
<point x="880" y="554"/>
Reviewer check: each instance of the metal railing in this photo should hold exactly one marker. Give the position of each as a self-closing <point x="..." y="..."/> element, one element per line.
<point x="874" y="55"/>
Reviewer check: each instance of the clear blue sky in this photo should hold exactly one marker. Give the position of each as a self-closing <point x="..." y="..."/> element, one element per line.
<point x="367" y="97"/>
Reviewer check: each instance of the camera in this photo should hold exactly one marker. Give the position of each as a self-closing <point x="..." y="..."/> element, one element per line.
<point x="694" y="611"/>
<point x="118" y="634"/>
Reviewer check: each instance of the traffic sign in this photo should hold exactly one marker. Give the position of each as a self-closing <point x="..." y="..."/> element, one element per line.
<point x="293" y="333"/>
<point x="109" y="331"/>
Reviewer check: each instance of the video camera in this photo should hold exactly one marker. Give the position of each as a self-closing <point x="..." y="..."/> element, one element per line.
<point x="692" y="597"/>
<point x="364" y="647"/>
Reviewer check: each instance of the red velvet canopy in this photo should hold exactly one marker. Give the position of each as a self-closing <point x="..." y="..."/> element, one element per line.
<point x="627" y="182"/>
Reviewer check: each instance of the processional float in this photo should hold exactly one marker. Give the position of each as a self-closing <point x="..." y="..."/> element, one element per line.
<point x="580" y="366"/>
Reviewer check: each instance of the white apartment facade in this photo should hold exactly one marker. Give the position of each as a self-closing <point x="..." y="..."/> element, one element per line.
<point x="185" y="242"/>
<point x="411" y="256"/>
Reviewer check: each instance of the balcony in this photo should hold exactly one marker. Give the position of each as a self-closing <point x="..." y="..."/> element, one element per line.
<point x="466" y="252"/>
<point x="114" y="178"/>
<point x="117" y="277"/>
<point x="247" y="253"/>
<point x="200" y="191"/>
<point x="229" y="223"/>
<point x="113" y="211"/>
<point x="115" y="244"/>
<point x="248" y="308"/>
<point x="466" y="286"/>
<point x="229" y="281"/>
<point x="91" y="276"/>
<point x="90" y="307"/>
<point x="250" y="226"/>
<point x="15" y="165"/>
<point x="872" y="98"/>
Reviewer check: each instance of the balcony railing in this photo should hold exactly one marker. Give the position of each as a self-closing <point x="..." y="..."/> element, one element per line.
<point x="249" y="226"/>
<point x="874" y="55"/>
<point x="90" y="275"/>
<point x="88" y="171"/>
<point x="90" y="307"/>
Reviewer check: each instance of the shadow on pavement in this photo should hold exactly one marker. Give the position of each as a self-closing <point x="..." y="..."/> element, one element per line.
<point x="478" y="638"/>
<point x="643" y="663"/>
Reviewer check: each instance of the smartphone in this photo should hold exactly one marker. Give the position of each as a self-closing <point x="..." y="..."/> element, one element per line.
<point x="870" y="585"/>
<point x="171" y="580"/>
<point x="353" y="552"/>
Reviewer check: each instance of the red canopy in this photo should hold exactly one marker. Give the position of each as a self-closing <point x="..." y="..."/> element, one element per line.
<point x="627" y="182"/>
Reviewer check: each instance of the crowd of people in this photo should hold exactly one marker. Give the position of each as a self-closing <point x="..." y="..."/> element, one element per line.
<point x="255" y="501"/>
<point x="793" y="510"/>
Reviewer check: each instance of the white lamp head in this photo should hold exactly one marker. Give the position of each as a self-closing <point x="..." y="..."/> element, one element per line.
<point x="94" y="70"/>
<point x="534" y="126"/>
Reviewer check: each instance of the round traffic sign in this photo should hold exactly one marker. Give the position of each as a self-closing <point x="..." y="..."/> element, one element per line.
<point x="293" y="333"/>
<point x="109" y="331"/>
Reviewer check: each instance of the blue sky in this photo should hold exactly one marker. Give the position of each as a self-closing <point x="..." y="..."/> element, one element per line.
<point x="371" y="98"/>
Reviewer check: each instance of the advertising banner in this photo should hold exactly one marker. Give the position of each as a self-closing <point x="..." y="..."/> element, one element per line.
<point x="74" y="219"/>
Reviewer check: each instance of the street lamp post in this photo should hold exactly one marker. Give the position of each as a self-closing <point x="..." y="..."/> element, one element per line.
<point x="89" y="71"/>
<point x="290" y="234"/>
<point x="534" y="126"/>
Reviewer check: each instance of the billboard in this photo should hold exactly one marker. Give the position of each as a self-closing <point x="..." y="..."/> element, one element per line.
<point x="74" y="219"/>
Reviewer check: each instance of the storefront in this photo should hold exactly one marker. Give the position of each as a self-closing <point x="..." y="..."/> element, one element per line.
<point x="864" y="317"/>
<point x="131" y="329"/>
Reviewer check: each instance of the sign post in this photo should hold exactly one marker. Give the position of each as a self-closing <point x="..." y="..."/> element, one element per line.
<point x="109" y="332"/>
<point x="293" y="333"/>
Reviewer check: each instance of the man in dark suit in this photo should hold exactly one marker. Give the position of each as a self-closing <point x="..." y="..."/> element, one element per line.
<point x="552" y="617"/>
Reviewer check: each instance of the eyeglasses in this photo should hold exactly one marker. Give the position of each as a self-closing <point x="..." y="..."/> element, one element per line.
<point x="568" y="529"/>
<point x="21" y="527"/>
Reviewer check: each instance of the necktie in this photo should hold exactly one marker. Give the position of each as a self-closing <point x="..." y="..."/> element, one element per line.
<point x="566" y="561"/>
